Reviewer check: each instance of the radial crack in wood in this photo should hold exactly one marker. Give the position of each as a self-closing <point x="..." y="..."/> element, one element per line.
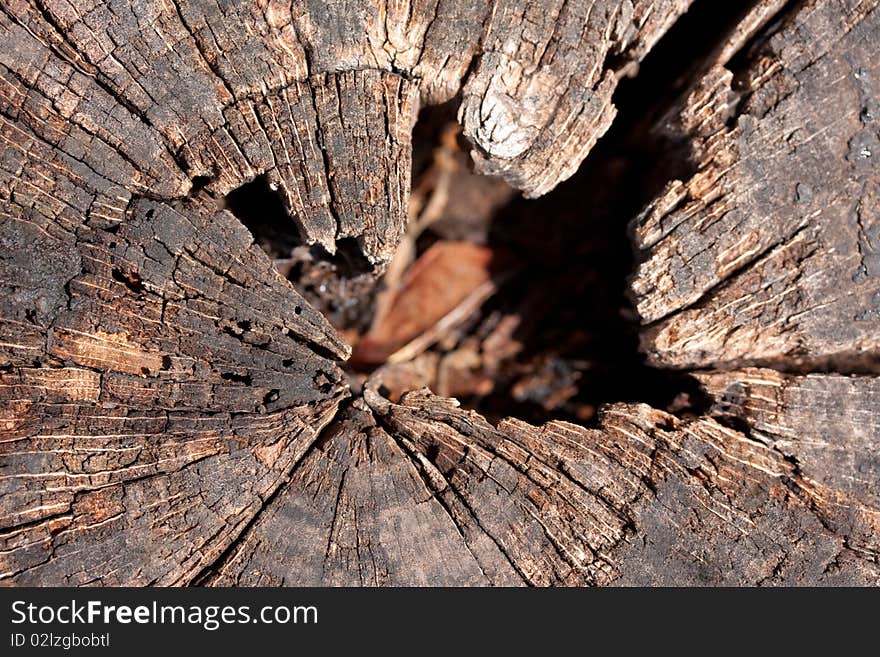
<point x="152" y="361"/>
<point x="321" y="97"/>
<point x="172" y="411"/>
<point x="428" y="493"/>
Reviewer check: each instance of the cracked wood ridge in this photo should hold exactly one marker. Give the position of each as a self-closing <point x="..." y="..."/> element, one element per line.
<point x="173" y="412"/>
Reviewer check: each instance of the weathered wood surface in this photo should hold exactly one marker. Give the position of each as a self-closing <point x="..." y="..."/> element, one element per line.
<point x="153" y="362"/>
<point x="173" y="412"/>
<point x="770" y="253"/>
<point x="425" y="493"/>
<point x="827" y="424"/>
<point x="321" y="97"/>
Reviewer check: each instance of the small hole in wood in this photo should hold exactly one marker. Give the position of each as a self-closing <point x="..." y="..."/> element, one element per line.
<point x="237" y="378"/>
<point x="263" y="211"/>
<point x="131" y="280"/>
<point x="200" y="182"/>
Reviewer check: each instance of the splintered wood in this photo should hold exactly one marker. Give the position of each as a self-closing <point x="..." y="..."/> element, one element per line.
<point x="173" y="411"/>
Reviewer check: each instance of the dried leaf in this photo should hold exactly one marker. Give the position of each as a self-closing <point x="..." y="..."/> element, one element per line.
<point x="442" y="288"/>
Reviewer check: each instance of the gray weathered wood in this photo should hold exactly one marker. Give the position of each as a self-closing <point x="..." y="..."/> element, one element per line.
<point x="436" y="495"/>
<point x="771" y="251"/>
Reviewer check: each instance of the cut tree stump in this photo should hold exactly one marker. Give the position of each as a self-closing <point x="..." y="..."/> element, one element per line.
<point x="174" y="412"/>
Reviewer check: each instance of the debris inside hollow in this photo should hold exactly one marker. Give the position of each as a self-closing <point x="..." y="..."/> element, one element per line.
<point x="514" y="307"/>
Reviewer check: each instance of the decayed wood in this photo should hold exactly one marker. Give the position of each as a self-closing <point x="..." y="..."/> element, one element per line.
<point x="153" y="361"/>
<point x="428" y="493"/>
<point x="321" y="97"/>
<point x="172" y="411"/>
<point x="771" y="251"/>
<point x="540" y="93"/>
<point x="826" y="424"/>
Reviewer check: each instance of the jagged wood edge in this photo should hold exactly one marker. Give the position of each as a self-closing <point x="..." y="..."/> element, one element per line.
<point x="421" y="492"/>
<point x="151" y="361"/>
<point x="549" y="571"/>
<point x="769" y="254"/>
<point x="770" y="485"/>
<point x="323" y="102"/>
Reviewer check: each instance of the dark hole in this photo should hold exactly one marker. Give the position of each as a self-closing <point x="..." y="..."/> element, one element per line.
<point x="166" y="362"/>
<point x="131" y="280"/>
<point x="262" y="210"/>
<point x="348" y="261"/>
<point x="582" y="340"/>
<point x="432" y="452"/>
<point x="200" y="182"/>
<point x="270" y="397"/>
<point x="323" y="352"/>
<point x="337" y="285"/>
<point x="431" y="123"/>
<point x="674" y="61"/>
<point x="234" y="332"/>
<point x="237" y="378"/>
<point x="733" y="422"/>
<point x="579" y="332"/>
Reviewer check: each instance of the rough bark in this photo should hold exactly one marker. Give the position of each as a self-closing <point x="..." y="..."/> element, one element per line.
<point x="172" y="411"/>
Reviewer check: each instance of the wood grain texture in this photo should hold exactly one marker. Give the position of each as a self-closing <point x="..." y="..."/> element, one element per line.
<point x="827" y="424"/>
<point x="173" y="412"/>
<point x="540" y="93"/>
<point x="770" y="251"/>
<point x="321" y="97"/>
<point x="428" y="493"/>
<point x="152" y="359"/>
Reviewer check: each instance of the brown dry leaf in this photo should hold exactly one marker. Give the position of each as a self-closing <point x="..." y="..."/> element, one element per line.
<point x="444" y="286"/>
